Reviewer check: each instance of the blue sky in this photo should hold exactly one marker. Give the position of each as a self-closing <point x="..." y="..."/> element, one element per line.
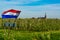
<point x="32" y="8"/>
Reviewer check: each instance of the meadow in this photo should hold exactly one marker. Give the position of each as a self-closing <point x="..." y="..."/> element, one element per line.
<point x="32" y="29"/>
<point x="26" y="35"/>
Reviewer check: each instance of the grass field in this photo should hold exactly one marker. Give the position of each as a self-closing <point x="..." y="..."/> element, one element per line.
<point x="26" y="35"/>
<point x="32" y="29"/>
<point x="35" y="24"/>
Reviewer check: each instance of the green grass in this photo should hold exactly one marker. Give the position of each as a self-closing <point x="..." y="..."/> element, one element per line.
<point x="32" y="29"/>
<point x="35" y="24"/>
<point x="26" y="35"/>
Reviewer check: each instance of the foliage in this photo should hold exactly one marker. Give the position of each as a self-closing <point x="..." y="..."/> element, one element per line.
<point x="26" y="35"/>
<point x="35" y="24"/>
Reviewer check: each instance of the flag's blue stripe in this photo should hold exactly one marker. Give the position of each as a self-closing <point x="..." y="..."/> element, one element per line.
<point x="9" y="16"/>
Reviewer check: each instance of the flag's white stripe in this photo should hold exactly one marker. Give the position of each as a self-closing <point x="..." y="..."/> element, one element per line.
<point x="10" y="13"/>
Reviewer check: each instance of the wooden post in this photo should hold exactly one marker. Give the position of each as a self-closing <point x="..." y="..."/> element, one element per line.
<point x="9" y="30"/>
<point x="8" y="33"/>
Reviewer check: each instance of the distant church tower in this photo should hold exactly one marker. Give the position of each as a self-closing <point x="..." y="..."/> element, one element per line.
<point x="45" y="15"/>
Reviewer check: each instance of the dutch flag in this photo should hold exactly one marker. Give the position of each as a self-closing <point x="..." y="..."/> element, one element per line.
<point x="11" y="13"/>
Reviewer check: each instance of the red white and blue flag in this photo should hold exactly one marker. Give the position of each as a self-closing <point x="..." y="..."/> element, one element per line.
<point x="11" y="13"/>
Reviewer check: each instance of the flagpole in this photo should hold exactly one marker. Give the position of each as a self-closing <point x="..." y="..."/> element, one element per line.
<point x="9" y="30"/>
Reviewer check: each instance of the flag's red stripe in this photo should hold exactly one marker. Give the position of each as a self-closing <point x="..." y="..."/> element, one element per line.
<point x="13" y="11"/>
